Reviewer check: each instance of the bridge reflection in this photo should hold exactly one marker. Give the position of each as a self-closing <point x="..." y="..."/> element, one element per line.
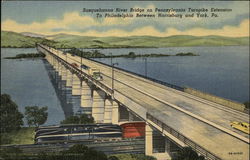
<point x="70" y="104"/>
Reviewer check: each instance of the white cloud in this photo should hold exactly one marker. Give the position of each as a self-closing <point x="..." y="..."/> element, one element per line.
<point x="69" y="20"/>
<point x="74" y="20"/>
<point x="230" y="31"/>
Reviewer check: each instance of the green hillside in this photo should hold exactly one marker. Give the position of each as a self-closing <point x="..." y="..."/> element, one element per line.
<point x="148" y="41"/>
<point x="12" y="39"/>
<point x="16" y="40"/>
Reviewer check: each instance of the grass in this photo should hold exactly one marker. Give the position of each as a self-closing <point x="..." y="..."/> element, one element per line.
<point x="133" y="157"/>
<point x="23" y="136"/>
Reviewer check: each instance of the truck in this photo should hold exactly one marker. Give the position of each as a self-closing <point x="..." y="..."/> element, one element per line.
<point x="93" y="72"/>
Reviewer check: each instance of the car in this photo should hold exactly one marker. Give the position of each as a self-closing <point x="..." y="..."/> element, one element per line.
<point x="242" y="126"/>
<point x="74" y="65"/>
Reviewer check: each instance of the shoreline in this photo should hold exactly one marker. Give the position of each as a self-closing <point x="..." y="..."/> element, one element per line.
<point x="131" y="47"/>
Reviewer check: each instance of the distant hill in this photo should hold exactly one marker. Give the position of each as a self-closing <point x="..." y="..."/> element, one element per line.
<point x="33" y="34"/>
<point x="17" y="40"/>
<point x="148" y="41"/>
<point x="12" y="39"/>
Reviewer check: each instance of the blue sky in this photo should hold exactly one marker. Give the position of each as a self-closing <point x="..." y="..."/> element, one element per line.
<point x="53" y="17"/>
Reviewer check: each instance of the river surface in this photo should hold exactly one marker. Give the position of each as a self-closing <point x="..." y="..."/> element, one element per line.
<point x="222" y="71"/>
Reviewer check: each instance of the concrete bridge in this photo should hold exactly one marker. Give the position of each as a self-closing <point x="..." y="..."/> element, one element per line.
<point x="183" y="119"/>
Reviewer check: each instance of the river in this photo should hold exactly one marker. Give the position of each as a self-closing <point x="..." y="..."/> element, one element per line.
<point x="222" y="71"/>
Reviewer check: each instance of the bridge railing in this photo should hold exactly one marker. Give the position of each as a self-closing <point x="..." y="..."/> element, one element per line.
<point x="199" y="149"/>
<point x="146" y="77"/>
<point x="80" y="74"/>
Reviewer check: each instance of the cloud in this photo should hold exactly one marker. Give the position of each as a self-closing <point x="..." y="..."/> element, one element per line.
<point x="69" y="21"/>
<point x="230" y="31"/>
<point x="73" y="23"/>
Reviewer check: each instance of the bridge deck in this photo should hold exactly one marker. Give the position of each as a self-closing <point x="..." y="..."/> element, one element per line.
<point x="204" y="122"/>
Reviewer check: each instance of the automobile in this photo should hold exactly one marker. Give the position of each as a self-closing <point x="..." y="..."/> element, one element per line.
<point x="74" y="65"/>
<point x="93" y="72"/>
<point x="242" y="126"/>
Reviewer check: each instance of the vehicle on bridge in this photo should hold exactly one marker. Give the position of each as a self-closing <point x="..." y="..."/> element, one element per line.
<point x="74" y="65"/>
<point x="93" y="72"/>
<point x="242" y="126"/>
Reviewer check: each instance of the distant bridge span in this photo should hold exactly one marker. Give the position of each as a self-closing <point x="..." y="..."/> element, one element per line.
<point x="185" y="119"/>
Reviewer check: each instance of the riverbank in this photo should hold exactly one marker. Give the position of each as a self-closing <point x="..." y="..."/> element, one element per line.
<point x="27" y="55"/>
<point x="23" y="136"/>
<point x="98" y="54"/>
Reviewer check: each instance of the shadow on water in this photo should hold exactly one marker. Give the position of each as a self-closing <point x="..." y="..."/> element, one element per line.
<point x="63" y="93"/>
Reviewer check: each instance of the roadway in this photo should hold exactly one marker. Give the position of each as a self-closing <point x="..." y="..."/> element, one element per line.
<point x="204" y="122"/>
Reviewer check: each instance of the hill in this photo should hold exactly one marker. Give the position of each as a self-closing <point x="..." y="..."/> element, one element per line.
<point x="12" y="39"/>
<point x="32" y="34"/>
<point x="17" y="40"/>
<point x="148" y="41"/>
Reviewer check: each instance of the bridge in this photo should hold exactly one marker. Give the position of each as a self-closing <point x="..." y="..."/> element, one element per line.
<point x="182" y="118"/>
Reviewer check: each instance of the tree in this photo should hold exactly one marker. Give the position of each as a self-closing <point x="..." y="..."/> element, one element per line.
<point x="85" y="153"/>
<point x="188" y="154"/>
<point x="11" y="118"/>
<point x="82" y="119"/>
<point x="10" y="153"/>
<point x="247" y="104"/>
<point x="131" y="54"/>
<point x="76" y="152"/>
<point x="71" y="120"/>
<point x="35" y="115"/>
<point x="113" y="158"/>
<point x="85" y="119"/>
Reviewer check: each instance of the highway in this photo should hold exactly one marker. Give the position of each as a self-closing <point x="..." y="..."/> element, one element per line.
<point x="204" y="122"/>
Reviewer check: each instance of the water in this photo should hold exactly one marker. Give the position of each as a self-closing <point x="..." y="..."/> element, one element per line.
<point x="222" y="71"/>
<point x="28" y="84"/>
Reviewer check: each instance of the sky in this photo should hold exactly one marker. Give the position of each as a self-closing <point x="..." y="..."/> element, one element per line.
<point x="54" y="17"/>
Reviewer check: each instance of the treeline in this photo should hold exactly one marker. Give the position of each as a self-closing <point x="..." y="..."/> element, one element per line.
<point x="76" y="152"/>
<point x="12" y="120"/>
<point x="28" y="55"/>
<point x="98" y="54"/>
<point x="81" y="152"/>
<point x="81" y="119"/>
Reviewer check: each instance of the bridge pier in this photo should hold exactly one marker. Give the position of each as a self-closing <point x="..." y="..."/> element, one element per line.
<point x="48" y="58"/>
<point x="108" y="111"/>
<point x="76" y="85"/>
<point x="69" y="79"/>
<point x="115" y="112"/>
<point x="55" y="65"/>
<point x="59" y="68"/>
<point x="98" y="105"/>
<point x="158" y="145"/>
<point x="148" y="140"/>
<point x="86" y="99"/>
<point x="111" y="112"/>
<point x="64" y="73"/>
